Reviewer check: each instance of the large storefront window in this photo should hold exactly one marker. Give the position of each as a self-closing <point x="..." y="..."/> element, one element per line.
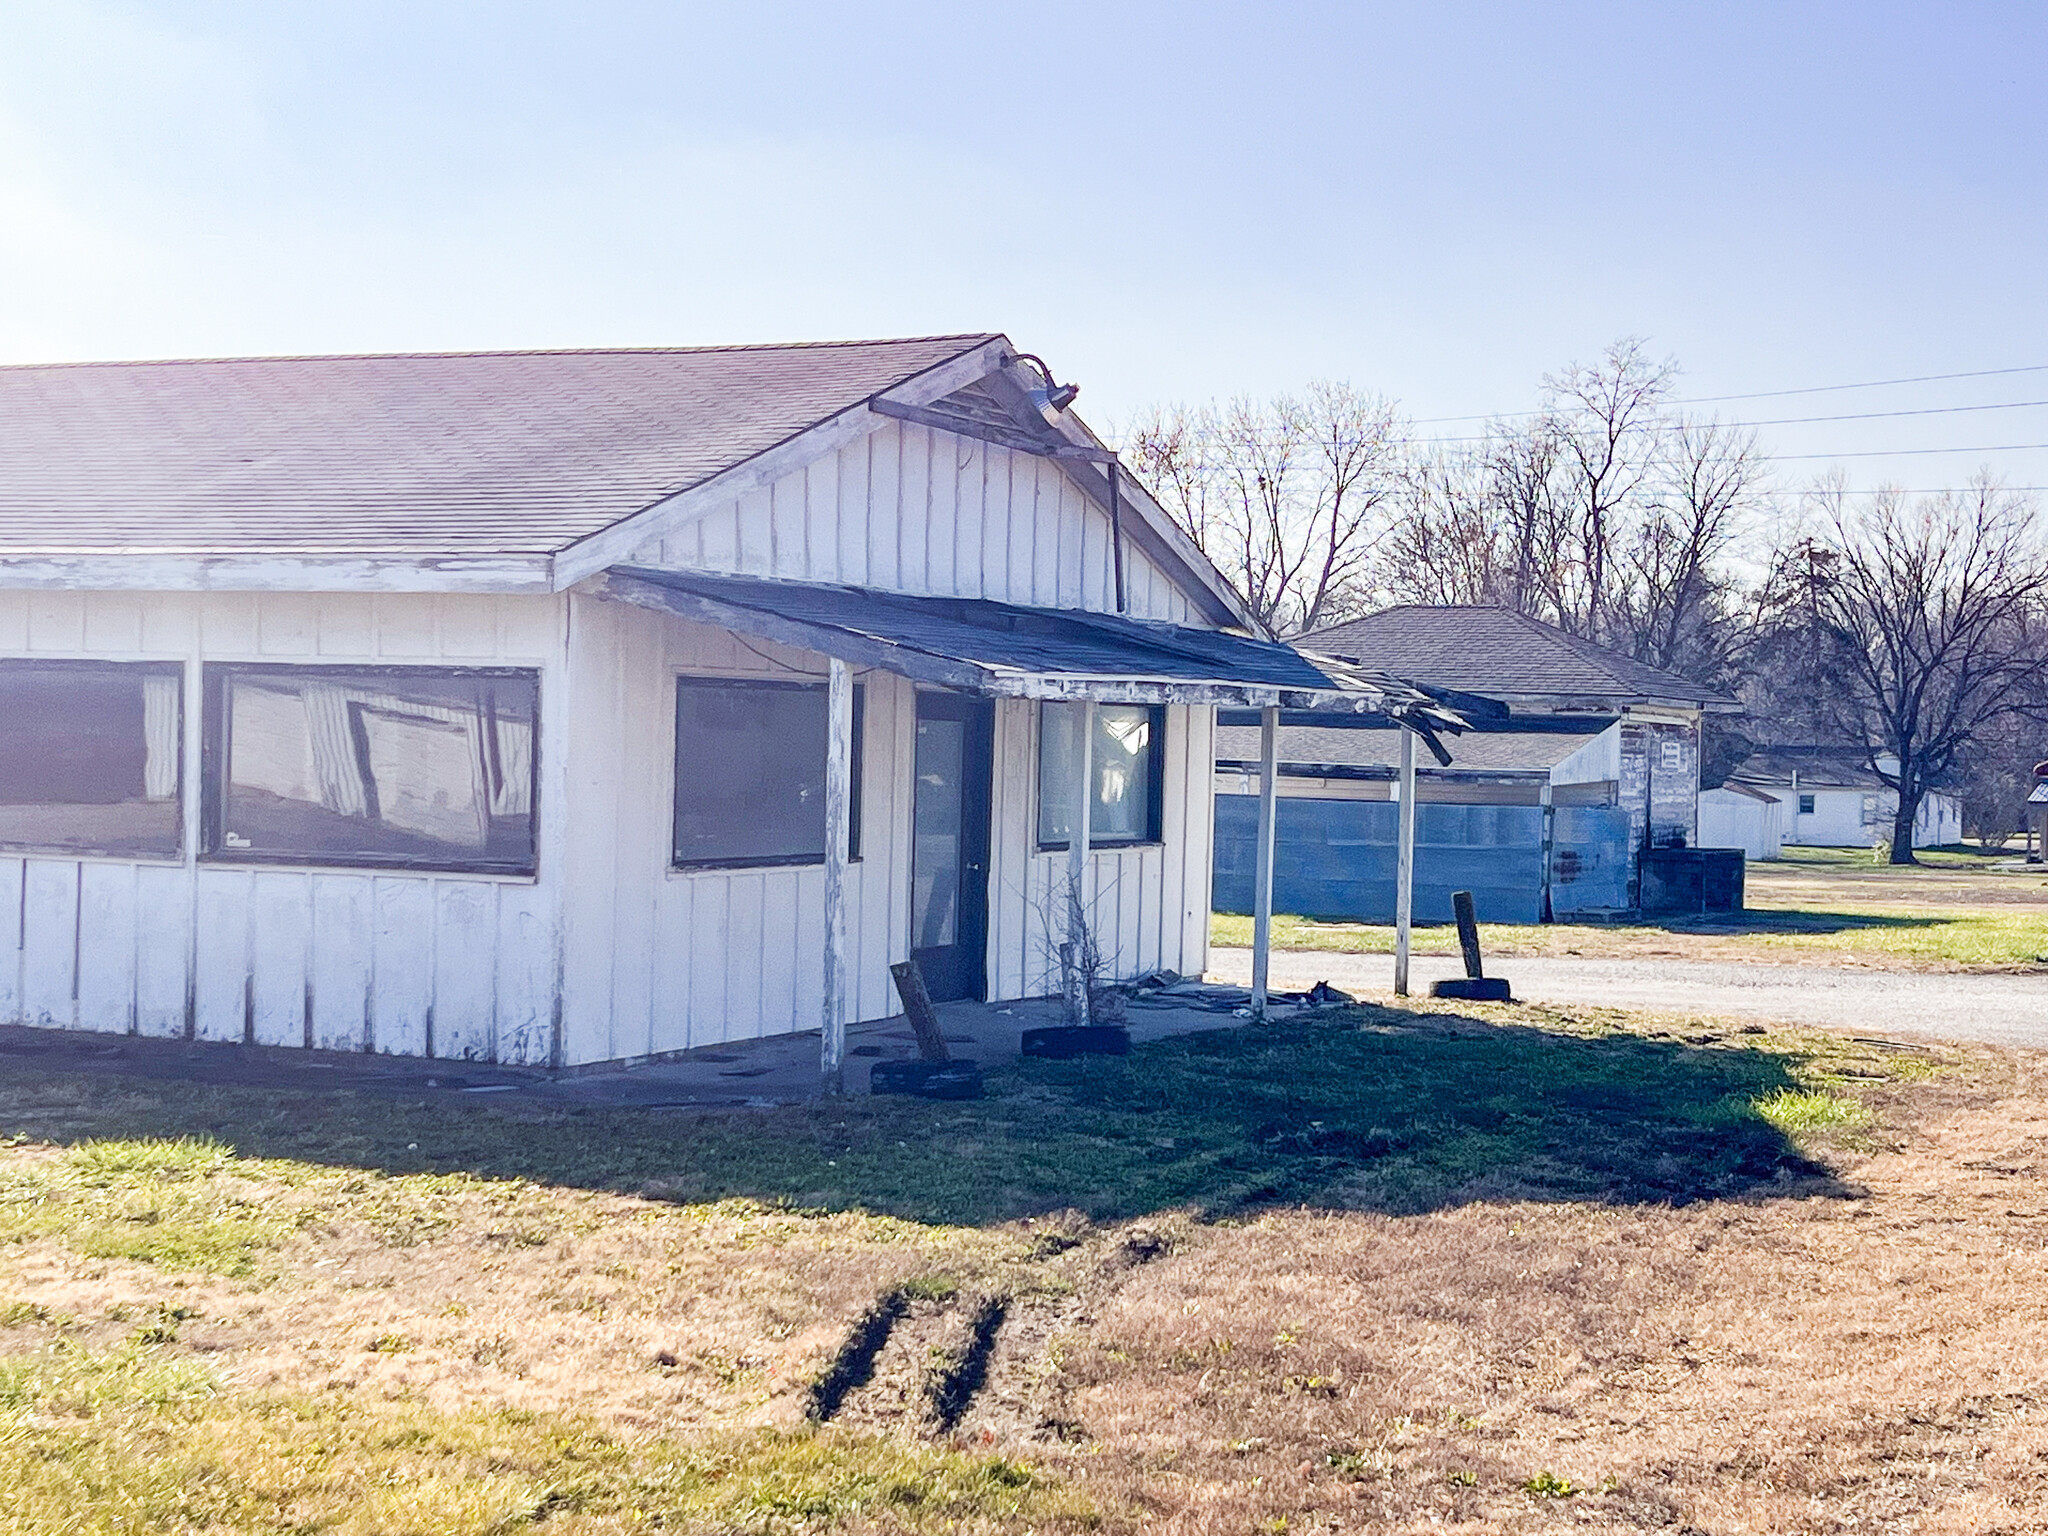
<point x="395" y="768"/>
<point x="90" y="755"/>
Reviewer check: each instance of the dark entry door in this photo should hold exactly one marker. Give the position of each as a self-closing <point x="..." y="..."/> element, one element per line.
<point x="949" y="844"/>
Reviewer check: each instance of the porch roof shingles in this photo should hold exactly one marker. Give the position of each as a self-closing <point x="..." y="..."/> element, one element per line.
<point x="983" y="646"/>
<point x="505" y="453"/>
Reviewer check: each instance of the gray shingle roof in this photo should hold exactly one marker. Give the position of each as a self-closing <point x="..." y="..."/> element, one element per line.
<point x="1499" y="652"/>
<point x="449" y="453"/>
<point x="1816" y="767"/>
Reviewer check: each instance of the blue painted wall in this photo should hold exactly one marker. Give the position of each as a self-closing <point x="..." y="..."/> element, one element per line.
<point x="1335" y="859"/>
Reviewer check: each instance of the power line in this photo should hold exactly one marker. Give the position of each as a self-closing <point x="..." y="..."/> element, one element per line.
<point x="1772" y="394"/>
<point x="1774" y="421"/>
<point x="1823" y="389"/>
<point x="1886" y="453"/>
<point x="1931" y="410"/>
<point x="1927" y="490"/>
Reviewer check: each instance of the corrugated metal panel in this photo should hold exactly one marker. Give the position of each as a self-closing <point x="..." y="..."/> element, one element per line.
<point x="1336" y="859"/>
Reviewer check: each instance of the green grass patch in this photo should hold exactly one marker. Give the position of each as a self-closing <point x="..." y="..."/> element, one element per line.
<point x="1809" y="1112"/>
<point x="137" y="1439"/>
<point x="1986" y="937"/>
<point x="181" y="1202"/>
<point x="1386" y="1108"/>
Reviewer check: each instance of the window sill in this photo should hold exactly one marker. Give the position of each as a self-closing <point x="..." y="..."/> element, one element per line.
<point x="1120" y="846"/>
<point x="90" y="855"/>
<point x="298" y="864"/>
<point x="741" y="866"/>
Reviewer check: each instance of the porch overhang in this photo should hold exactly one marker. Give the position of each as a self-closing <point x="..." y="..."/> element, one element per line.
<point x="1005" y="650"/>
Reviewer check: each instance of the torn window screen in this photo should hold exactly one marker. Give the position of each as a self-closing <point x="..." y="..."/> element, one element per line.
<point x="90" y="757"/>
<point x="1128" y="757"/>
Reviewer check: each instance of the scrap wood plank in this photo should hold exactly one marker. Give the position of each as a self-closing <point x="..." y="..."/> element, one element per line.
<point x="917" y="1007"/>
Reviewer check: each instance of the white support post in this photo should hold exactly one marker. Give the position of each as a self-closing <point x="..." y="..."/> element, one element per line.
<point x="1404" y="866"/>
<point x="1262" y="898"/>
<point x="838" y="821"/>
<point x="1080" y="896"/>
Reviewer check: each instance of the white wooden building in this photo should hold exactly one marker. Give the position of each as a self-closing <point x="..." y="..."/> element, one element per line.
<point x="1832" y="797"/>
<point x="564" y="708"/>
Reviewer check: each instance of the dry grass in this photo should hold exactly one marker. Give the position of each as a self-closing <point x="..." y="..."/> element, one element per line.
<point x="1518" y="1269"/>
<point x="1817" y="906"/>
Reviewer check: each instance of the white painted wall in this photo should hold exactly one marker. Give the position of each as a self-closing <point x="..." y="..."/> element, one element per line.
<point x="1861" y="818"/>
<point x="1731" y="819"/>
<point x="623" y="956"/>
<point x="343" y="959"/>
<point x="909" y="508"/>
<point x="659" y="960"/>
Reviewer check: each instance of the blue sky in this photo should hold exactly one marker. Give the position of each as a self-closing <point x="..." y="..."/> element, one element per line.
<point x="1437" y="200"/>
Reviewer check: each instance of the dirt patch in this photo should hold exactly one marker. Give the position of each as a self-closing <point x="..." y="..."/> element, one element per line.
<point x="1508" y="1270"/>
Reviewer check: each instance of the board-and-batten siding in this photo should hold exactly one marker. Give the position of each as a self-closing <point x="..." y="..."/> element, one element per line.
<point x="660" y="960"/>
<point x="912" y="509"/>
<point x="446" y="965"/>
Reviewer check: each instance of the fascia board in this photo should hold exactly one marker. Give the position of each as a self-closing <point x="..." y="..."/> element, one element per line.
<point x="151" y="571"/>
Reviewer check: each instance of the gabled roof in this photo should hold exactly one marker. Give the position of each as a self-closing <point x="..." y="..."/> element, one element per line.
<point x="496" y="471"/>
<point x="1005" y="650"/>
<point x="1505" y="655"/>
<point x="437" y="454"/>
<point x="1815" y="768"/>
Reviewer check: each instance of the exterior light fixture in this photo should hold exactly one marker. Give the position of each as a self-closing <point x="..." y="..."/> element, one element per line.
<point x="1050" y="398"/>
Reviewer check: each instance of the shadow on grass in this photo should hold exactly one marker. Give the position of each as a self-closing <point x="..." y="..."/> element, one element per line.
<point x="1772" y="920"/>
<point x="1364" y="1108"/>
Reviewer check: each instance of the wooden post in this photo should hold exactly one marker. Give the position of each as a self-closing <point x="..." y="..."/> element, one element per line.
<point x="1079" y="895"/>
<point x="838" y="822"/>
<point x="1404" y="866"/>
<point x="1269" y="816"/>
<point x="917" y="1007"/>
<point x="1468" y="933"/>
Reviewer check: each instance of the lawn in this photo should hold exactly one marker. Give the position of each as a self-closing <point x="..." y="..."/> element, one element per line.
<point x="1817" y="906"/>
<point x="1372" y="1269"/>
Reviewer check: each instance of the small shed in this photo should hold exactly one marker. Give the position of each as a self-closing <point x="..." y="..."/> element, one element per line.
<point x="1734" y="815"/>
<point x="577" y="707"/>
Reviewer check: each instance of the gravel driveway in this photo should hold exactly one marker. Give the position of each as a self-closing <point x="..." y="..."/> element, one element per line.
<point x="1999" y="1010"/>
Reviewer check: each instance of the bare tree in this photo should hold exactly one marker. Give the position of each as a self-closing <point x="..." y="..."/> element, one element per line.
<point x="1927" y="629"/>
<point x="1608" y="423"/>
<point x="1288" y="497"/>
<point x="1675" y="604"/>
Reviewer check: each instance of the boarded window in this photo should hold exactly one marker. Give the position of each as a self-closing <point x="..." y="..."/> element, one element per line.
<point x="391" y="768"/>
<point x="1129" y="766"/>
<point x="89" y="757"/>
<point x="750" y="773"/>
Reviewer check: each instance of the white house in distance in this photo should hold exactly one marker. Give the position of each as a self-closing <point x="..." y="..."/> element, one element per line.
<point x="1829" y="798"/>
<point x="574" y="707"/>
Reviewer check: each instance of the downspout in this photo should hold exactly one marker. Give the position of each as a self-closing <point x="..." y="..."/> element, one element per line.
<point x="1116" y="529"/>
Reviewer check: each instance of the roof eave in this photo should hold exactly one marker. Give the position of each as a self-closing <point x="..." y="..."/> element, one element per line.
<point x="151" y="570"/>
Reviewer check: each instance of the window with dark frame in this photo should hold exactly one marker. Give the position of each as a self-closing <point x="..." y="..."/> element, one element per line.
<point x="750" y="773"/>
<point x="430" y="768"/>
<point x="1129" y="761"/>
<point x="91" y="757"/>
